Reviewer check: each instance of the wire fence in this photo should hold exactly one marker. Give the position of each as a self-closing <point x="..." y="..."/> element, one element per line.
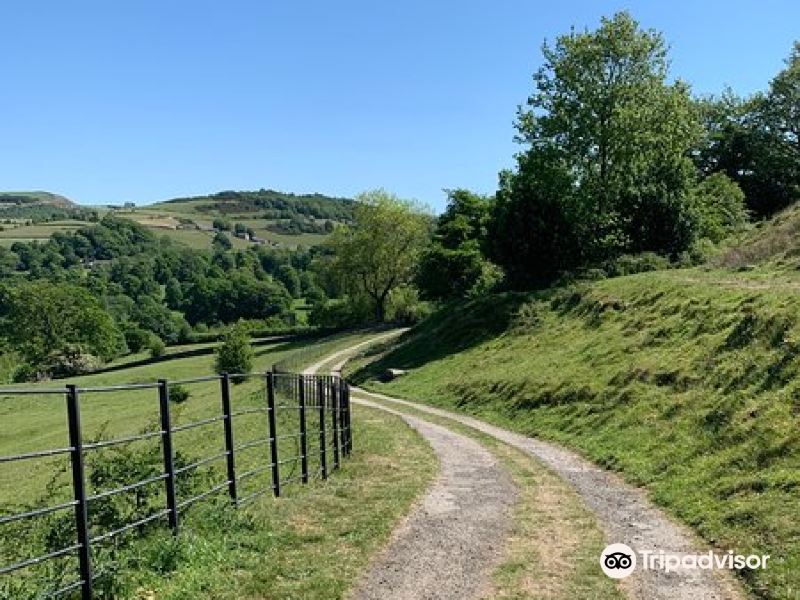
<point x="295" y="429"/>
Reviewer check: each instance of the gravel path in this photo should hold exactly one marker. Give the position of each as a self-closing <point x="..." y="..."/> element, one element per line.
<point x="447" y="547"/>
<point x="624" y="512"/>
<point x="449" y="544"/>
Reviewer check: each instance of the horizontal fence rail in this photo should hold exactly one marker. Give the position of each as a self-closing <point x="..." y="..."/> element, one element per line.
<point x="289" y="429"/>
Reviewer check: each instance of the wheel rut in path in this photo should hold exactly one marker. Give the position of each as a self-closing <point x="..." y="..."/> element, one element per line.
<point x="449" y="544"/>
<point x="623" y="511"/>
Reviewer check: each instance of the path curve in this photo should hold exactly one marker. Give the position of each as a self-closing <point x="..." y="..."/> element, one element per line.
<point x="624" y="512"/>
<point x="447" y="547"/>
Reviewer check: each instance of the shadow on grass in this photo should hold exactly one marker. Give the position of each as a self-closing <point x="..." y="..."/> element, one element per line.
<point x="454" y="328"/>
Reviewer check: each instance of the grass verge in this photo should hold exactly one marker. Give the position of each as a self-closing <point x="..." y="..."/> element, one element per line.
<point x="311" y="543"/>
<point x="685" y="382"/>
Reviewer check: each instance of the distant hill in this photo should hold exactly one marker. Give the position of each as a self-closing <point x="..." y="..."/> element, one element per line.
<point x="33" y="198"/>
<point x="268" y="204"/>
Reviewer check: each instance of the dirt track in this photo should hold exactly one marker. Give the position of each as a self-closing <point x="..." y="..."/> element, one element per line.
<point x="448" y="545"/>
<point x="623" y="511"/>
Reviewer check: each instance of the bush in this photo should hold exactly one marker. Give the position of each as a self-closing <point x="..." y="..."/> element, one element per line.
<point x="178" y="394"/>
<point x="156" y="347"/>
<point x="719" y="207"/>
<point x="136" y="338"/>
<point x="235" y="354"/>
<point x="69" y="361"/>
<point x="630" y="264"/>
<point x="404" y="306"/>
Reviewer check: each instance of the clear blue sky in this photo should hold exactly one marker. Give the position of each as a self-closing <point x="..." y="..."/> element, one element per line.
<point x="142" y="100"/>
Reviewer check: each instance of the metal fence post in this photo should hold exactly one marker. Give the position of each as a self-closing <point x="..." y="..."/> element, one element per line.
<point x="79" y="490"/>
<point x="342" y="417"/>
<point x="227" y="422"/>
<point x="335" y="421"/>
<point x="166" y="444"/>
<point x="323" y="460"/>
<point x="348" y="421"/>
<point x="273" y="435"/>
<point x="303" y="382"/>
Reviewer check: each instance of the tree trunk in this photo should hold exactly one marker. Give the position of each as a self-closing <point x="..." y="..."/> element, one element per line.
<point x="380" y="309"/>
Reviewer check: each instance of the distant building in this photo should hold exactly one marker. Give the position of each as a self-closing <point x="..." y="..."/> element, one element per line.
<point x="129" y="205"/>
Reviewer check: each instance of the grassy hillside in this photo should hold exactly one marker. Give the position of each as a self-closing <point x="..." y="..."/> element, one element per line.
<point x="683" y="381"/>
<point x="278" y="218"/>
<point x="27" y="198"/>
<point x="243" y="203"/>
<point x="774" y="243"/>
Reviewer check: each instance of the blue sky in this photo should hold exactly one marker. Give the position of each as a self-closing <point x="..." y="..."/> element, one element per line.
<point x="145" y="100"/>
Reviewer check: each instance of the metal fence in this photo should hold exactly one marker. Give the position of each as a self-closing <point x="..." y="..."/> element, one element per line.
<point x="305" y="419"/>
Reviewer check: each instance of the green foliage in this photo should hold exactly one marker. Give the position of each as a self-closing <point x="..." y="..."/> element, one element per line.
<point x="37" y="318"/>
<point x="454" y="265"/>
<point x="156" y="346"/>
<point x="235" y="354"/>
<point x="533" y="232"/>
<point x="404" y="306"/>
<point x="178" y="394"/>
<point x="136" y="338"/>
<point x="630" y="264"/>
<point x="606" y="171"/>
<point x="239" y="295"/>
<point x="222" y="241"/>
<point x="274" y="205"/>
<point x="755" y="140"/>
<point x="341" y="313"/>
<point x="719" y="206"/>
<point x="381" y="251"/>
<point x="222" y="224"/>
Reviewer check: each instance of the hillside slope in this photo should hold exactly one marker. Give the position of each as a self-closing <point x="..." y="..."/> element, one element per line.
<point x="31" y="198"/>
<point x="274" y="204"/>
<point x="683" y="381"/>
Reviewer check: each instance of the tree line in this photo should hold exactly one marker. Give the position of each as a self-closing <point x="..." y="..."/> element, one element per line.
<point x="104" y="290"/>
<point x="620" y="168"/>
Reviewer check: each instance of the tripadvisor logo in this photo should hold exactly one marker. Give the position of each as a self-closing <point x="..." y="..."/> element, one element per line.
<point x="619" y="560"/>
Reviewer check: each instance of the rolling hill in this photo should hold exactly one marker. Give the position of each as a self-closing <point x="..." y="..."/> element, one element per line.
<point x="279" y="219"/>
<point x="34" y="198"/>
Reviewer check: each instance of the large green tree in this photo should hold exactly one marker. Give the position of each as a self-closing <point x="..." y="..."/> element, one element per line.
<point x="454" y="263"/>
<point x="39" y="318"/>
<point x="605" y="116"/>
<point x="756" y="141"/>
<point x="380" y="252"/>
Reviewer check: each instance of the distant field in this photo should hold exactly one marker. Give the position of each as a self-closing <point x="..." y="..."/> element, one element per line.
<point x="263" y="551"/>
<point x="38" y="422"/>
<point x="41" y="231"/>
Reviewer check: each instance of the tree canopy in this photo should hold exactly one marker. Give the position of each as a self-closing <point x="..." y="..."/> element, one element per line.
<point x="381" y="250"/>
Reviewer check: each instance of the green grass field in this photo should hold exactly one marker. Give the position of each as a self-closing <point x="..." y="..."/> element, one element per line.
<point x="163" y="223"/>
<point x="269" y="547"/>
<point x="38" y="232"/>
<point x="686" y="382"/>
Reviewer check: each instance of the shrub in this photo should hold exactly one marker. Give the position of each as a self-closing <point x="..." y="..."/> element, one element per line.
<point x="178" y="394"/>
<point x="136" y="338"/>
<point x="156" y="347"/>
<point x="70" y="360"/>
<point x="630" y="264"/>
<point x="235" y="354"/>
<point x="719" y="207"/>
